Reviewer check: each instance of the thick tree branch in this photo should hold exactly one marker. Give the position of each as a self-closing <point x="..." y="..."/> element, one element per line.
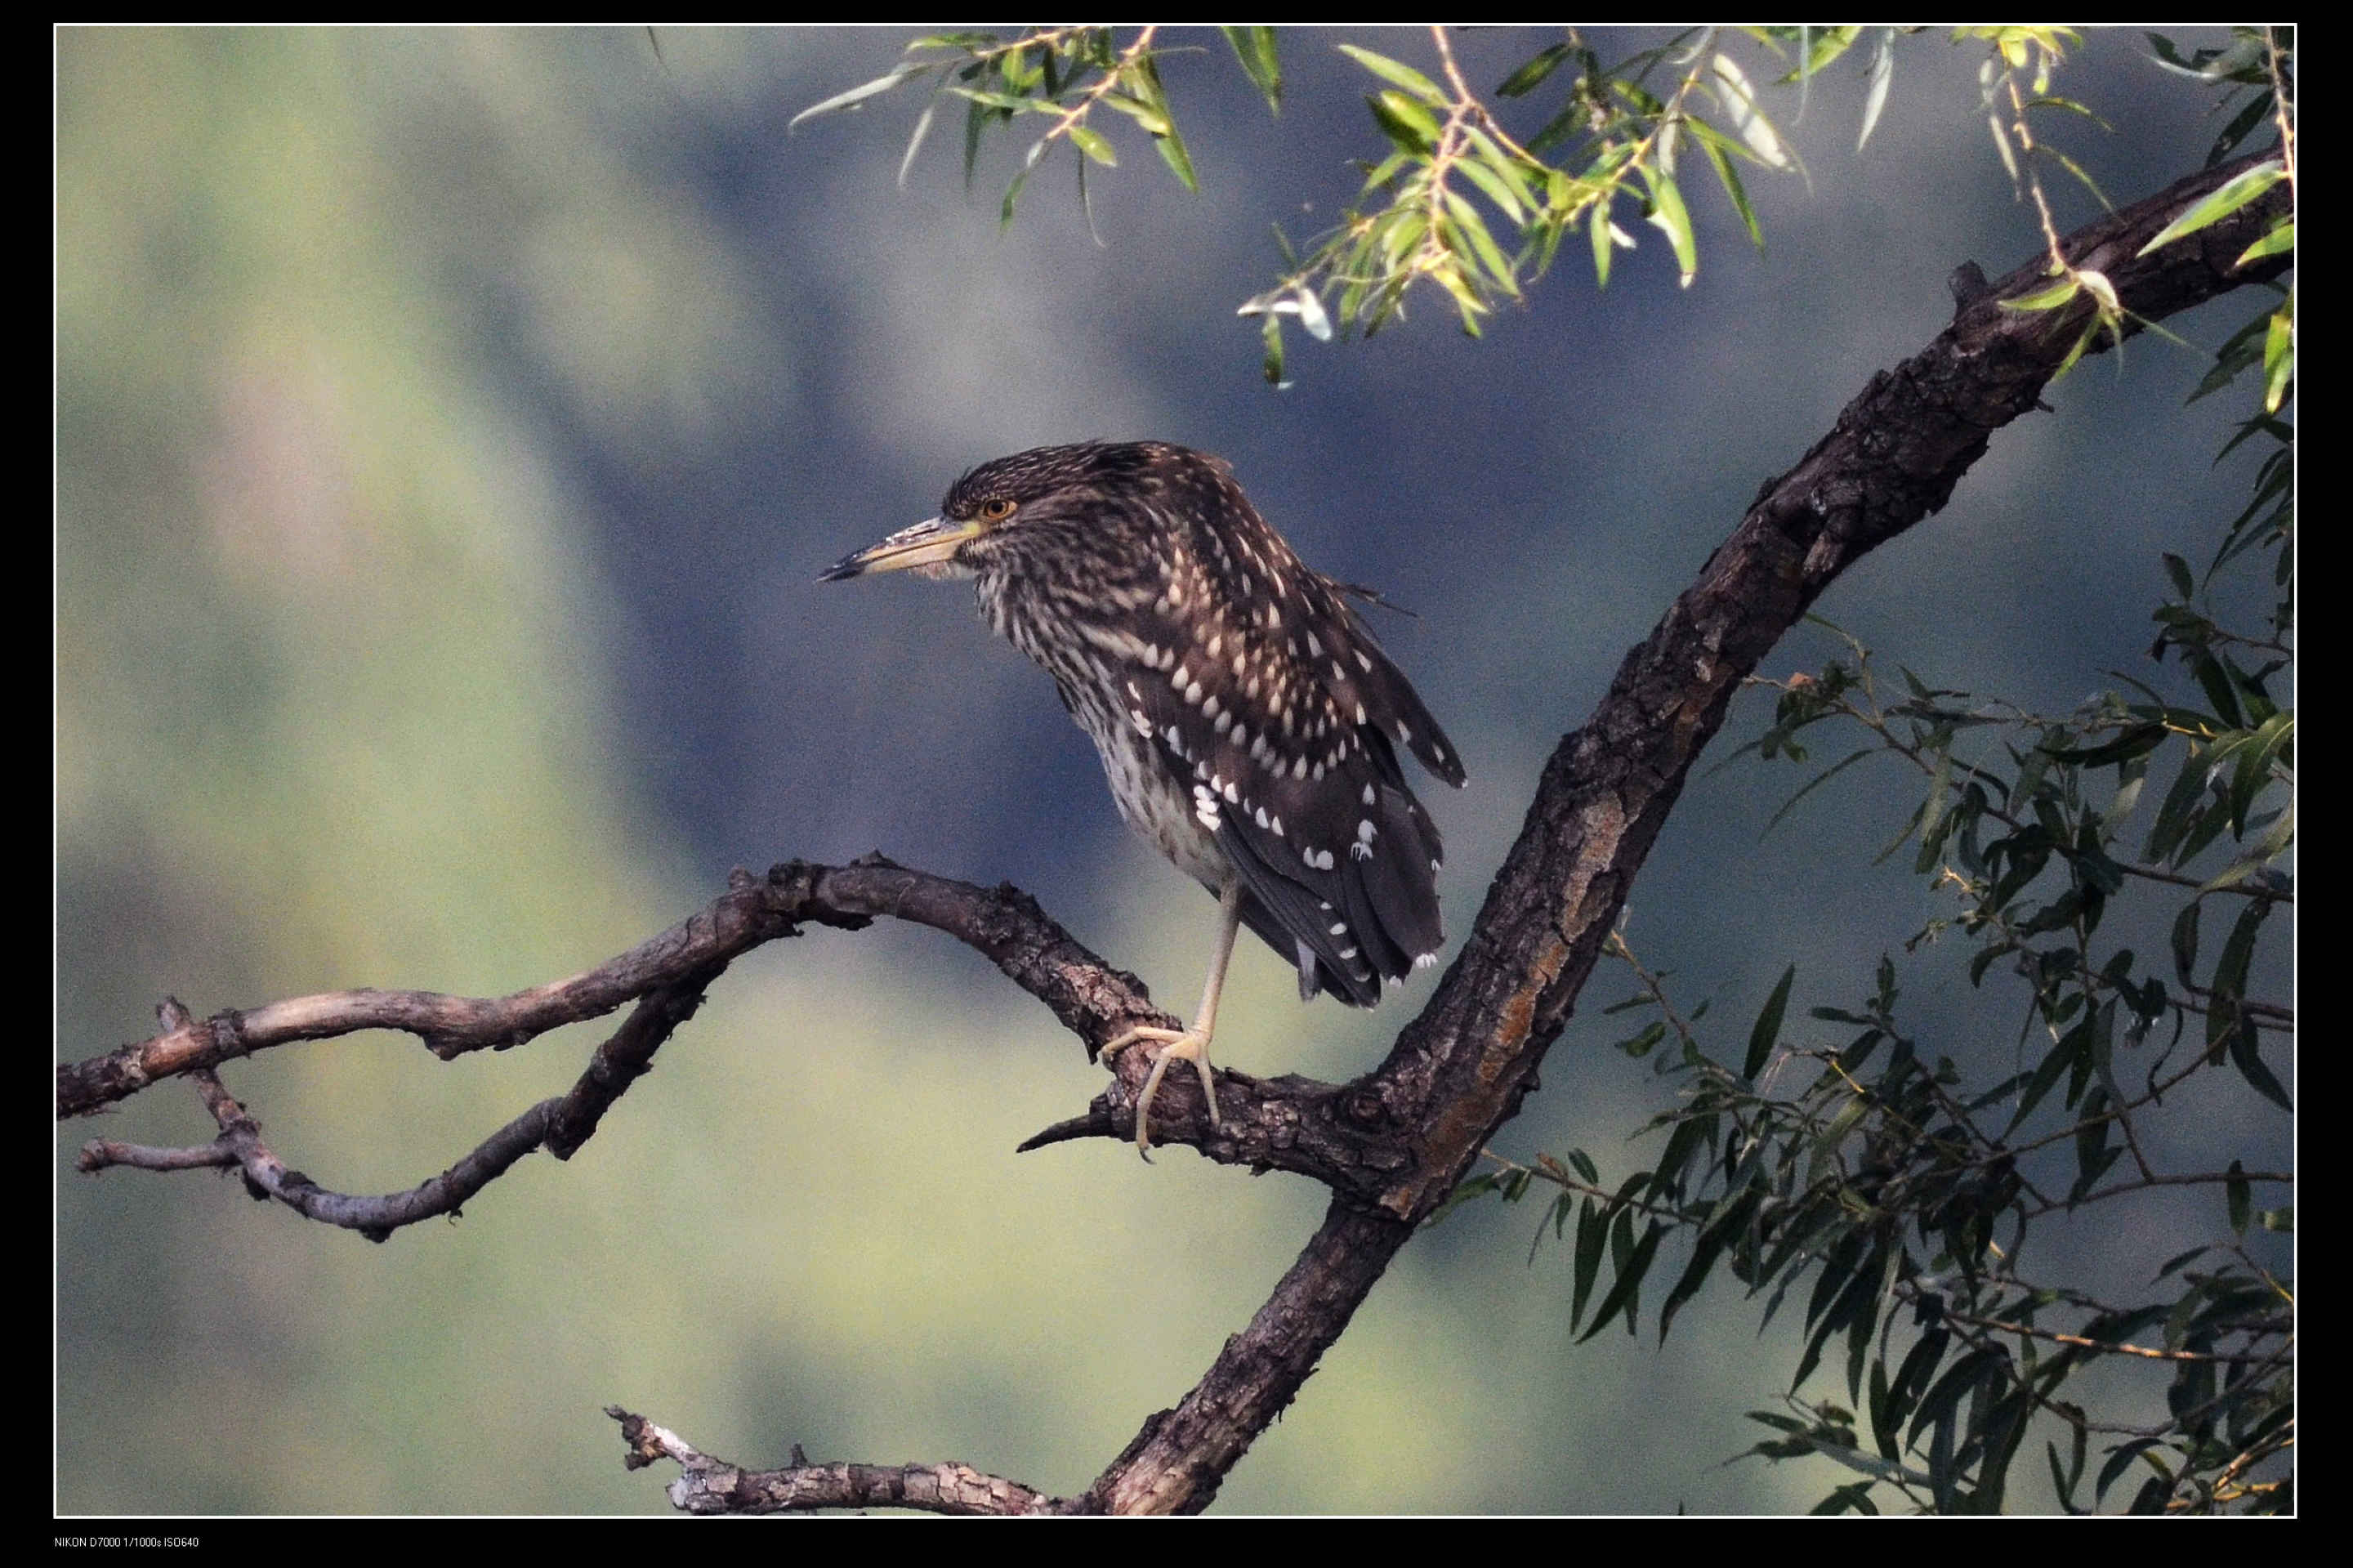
<point x="1460" y="1070"/>
<point x="1892" y="458"/>
<point x="1337" y="1137"/>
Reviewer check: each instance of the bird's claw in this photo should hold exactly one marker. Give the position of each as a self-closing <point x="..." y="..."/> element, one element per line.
<point x="1187" y="1045"/>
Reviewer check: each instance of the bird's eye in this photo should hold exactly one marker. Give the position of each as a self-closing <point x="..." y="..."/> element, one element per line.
<point x="997" y="511"/>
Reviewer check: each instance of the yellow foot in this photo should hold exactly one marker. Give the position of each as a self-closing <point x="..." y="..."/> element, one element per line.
<point x="1191" y="1045"/>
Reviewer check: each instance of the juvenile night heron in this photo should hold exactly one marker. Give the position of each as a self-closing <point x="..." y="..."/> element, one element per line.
<point x="1247" y="720"/>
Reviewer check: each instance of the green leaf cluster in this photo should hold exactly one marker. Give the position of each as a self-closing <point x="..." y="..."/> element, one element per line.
<point x="1065" y="74"/>
<point x="1453" y="201"/>
<point x="1457" y="202"/>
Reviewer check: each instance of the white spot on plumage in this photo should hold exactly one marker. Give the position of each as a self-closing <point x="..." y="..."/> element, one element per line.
<point x="1405" y="735"/>
<point x="1347" y="952"/>
<point x="1314" y="647"/>
<point x="1223" y="719"/>
<point x="1425" y="960"/>
<point x="1215" y="642"/>
<point x="1299" y="764"/>
<point x="1369" y="794"/>
<point x="1209" y="710"/>
<point x="1277" y="826"/>
<point x="1338" y="927"/>
<point x="1360" y="712"/>
<point x="1193" y="693"/>
<point x="1233" y="791"/>
<point x="1362" y="658"/>
<point x="1261" y="816"/>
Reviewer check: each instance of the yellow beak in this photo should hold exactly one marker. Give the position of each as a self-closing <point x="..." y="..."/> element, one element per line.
<point x="931" y="543"/>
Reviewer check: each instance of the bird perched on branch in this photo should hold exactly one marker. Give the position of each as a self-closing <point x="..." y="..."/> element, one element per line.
<point x="1248" y="722"/>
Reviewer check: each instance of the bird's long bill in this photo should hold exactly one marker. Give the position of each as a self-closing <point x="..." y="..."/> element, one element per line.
<point x="930" y="543"/>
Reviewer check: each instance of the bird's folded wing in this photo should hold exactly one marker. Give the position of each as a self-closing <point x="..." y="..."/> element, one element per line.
<point x="1306" y="801"/>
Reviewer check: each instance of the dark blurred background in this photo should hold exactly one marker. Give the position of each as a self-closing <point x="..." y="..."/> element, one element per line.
<point x="451" y="426"/>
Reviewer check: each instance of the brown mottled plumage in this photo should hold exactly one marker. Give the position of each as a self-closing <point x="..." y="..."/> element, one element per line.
<point x="1248" y="722"/>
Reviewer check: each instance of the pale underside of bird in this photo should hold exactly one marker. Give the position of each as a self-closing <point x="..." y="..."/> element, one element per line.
<point x="1248" y="722"/>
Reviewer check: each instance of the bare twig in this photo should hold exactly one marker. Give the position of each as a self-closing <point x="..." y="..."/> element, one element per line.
<point x="2107" y="1347"/>
<point x="706" y="1485"/>
<point x="2283" y="106"/>
<point x="1077" y="111"/>
<point x="2142" y="1183"/>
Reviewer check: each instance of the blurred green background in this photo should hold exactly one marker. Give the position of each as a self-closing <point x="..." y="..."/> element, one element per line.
<point x="450" y="427"/>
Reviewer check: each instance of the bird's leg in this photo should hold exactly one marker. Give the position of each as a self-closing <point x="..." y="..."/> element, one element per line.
<point x="1190" y="1045"/>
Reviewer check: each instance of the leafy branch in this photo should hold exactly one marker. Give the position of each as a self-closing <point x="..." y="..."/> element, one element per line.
<point x="1878" y="1190"/>
<point x="1413" y="222"/>
<point x="2263" y="60"/>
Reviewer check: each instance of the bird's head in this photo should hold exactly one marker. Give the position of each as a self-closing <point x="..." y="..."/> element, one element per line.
<point x="1046" y="501"/>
